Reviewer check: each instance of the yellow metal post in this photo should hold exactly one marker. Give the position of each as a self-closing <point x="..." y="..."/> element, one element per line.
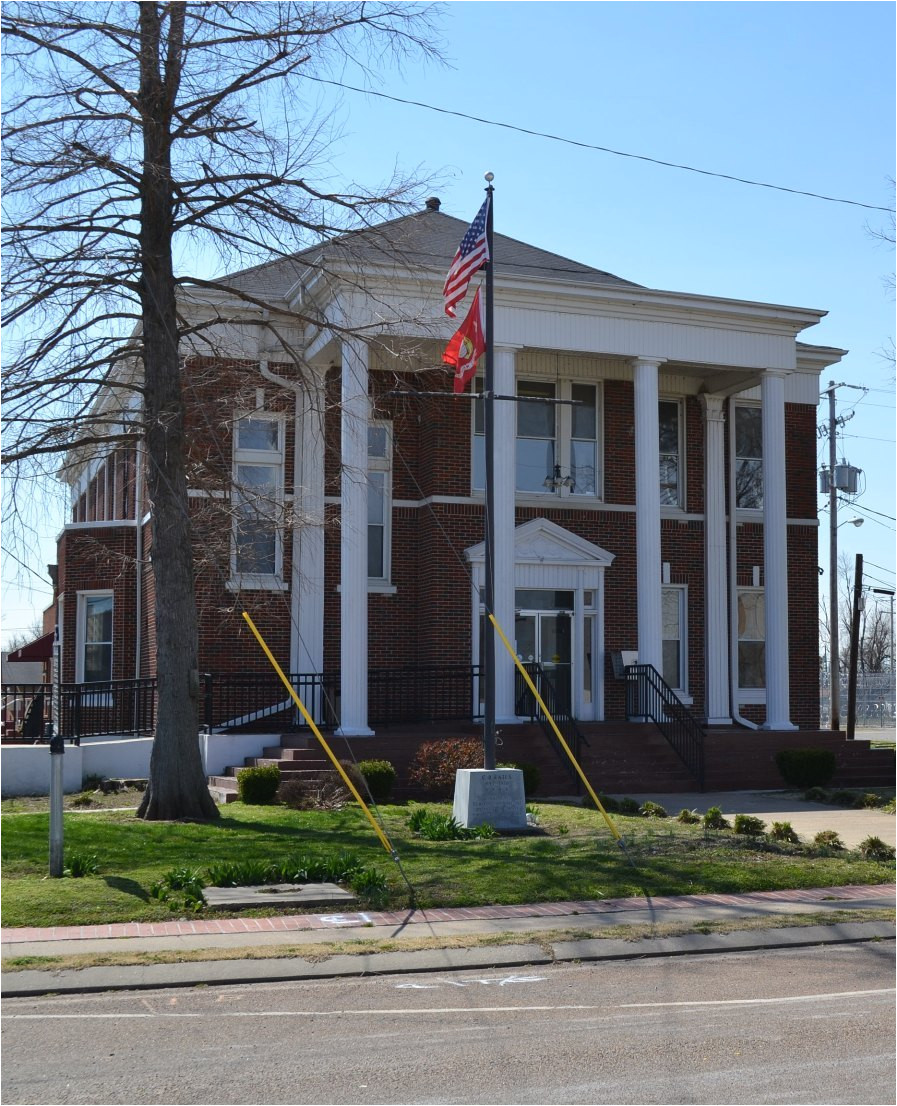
<point x="554" y="726"/>
<point x="308" y="718"/>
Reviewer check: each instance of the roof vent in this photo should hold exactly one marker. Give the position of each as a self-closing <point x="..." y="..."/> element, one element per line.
<point x="433" y="204"/>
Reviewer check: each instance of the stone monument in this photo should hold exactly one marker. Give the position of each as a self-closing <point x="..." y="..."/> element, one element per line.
<point x="493" y="795"/>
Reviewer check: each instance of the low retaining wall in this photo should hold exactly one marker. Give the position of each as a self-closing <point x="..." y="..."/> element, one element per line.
<point x="25" y="769"/>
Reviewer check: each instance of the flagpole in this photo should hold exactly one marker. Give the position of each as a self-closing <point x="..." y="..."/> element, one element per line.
<point x="489" y="443"/>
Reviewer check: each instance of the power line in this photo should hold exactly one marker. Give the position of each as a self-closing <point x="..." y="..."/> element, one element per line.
<point x="881" y="568"/>
<point x="601" y="149"/>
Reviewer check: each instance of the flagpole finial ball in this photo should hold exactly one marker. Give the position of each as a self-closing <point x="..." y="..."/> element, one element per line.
<point x="489" y="177"/>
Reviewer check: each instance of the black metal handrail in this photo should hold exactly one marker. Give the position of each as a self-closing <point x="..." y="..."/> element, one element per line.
<point x="559" y="707"/>
<point x="649" y="696"/>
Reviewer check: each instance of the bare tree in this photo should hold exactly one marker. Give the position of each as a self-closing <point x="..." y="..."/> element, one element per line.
<point x="139" y="139"/>
<point x="874" y="649"/>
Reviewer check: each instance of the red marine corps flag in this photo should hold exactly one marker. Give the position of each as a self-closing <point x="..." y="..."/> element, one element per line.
<point x="466" y="346"/>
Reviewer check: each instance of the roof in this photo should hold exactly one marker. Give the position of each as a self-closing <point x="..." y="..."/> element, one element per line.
<point x="41" y="649"/>
<point x="426" y="240"/>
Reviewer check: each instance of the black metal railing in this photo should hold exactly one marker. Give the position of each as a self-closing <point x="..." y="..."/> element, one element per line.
<point x="649" y="696"/>
<point x="231" y="701"/>
<point x="557" y="699"/>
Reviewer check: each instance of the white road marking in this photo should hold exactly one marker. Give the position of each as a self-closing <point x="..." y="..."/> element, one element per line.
<point x="405" y="1011"/>
<point x="506" y="981"/>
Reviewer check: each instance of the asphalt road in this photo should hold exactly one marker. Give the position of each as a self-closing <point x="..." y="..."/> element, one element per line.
<point x="787" y="1026"/>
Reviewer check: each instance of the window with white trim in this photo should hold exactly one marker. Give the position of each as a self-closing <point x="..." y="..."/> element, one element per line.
<point x="748" y="457"/>
<point x="379" y="501"/>
<point x="751" y="638"/>
<point x="670" y="426"/>
<point x="549" y="435"/>
<point x="93" y="663"/>
<point x="673" y="637"/>
<point x="257" y="500"/>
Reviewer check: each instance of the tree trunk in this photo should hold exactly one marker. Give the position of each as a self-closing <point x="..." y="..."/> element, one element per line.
<point x="177" y="785"/>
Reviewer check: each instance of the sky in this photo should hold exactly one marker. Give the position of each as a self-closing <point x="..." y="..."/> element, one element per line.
<point x="799" y="95"/>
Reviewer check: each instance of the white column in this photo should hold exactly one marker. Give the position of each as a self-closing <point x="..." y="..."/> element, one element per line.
<point x="647" y="511"/>
<point x="353" y="542"/>
<point x="307" y="607"/>
<point x="505" y="481"/>
<point x="716" y="620"/>
<point x="775" y="552"/>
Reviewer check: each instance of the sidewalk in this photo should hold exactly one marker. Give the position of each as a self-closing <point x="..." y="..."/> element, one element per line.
<point x="530" y="921"/>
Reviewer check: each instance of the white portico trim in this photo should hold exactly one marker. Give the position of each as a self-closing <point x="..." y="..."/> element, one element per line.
<point x="548" y="557"/>
<point x="716" y="623"/>
<point x="353" y="541"/>
<point x="647" y="499"/>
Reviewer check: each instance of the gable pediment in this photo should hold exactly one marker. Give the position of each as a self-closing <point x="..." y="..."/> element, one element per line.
<point x="541" y="541"/>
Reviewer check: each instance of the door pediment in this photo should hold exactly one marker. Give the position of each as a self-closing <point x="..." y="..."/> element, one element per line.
<point x="541" y="541"/>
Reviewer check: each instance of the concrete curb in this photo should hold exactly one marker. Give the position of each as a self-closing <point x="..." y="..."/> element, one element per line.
<point x="221" y="973"/>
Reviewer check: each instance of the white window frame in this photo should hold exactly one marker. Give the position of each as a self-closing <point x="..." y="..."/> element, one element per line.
<point x="682" y="590"/>
<point x="383" y="465"/>
<point x="563" y="439"/>
<point x="745" y="405"/>
<point x="680" y="501"/>
<point x="242" y="456"/>
<point x="749" y="694"/>
<point x="100" y="699"/>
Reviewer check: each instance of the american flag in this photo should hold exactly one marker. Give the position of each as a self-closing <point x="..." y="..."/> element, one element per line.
<point x="472" y="255"/>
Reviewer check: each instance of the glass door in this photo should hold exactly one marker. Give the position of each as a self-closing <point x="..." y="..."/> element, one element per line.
<point x="545" y="638"/>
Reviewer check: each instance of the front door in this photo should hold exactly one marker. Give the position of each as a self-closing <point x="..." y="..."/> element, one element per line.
<point x="546" y="638"/>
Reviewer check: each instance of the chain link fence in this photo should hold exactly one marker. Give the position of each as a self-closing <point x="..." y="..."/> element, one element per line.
<point x="875" y="700"/>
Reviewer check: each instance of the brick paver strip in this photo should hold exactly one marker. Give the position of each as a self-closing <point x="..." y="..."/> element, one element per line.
<point x="298" y="922"/>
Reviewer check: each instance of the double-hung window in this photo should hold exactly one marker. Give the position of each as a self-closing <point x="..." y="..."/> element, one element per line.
<point x="748" y="457"/>
<point x="751" y="638"/>
<point x="379" y="501"/>
<point x="257" y="500"/>
<point x="94" y="656"/>
<point x="673" y="635"/>
<point x="557" y="445"/>
<point x="670" y="421"/>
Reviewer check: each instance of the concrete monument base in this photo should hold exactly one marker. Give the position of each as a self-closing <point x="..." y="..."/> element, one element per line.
<point x="490" y="795"/>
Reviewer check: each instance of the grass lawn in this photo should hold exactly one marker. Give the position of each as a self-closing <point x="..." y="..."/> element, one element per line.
<point x="572" y="857"/>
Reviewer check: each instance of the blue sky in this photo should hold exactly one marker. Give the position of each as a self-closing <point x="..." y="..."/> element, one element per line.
<point x="794" y="94"/>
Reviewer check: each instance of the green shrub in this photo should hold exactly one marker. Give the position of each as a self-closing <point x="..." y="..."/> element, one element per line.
<point x="652" y="810"/>
<point x="868" y="801"/>
<point x="750" y="826"/>
<point x="84" y="799"/>
<point x="629" y="806"/>
<point x="353" y="771"/>
<point x="688" y="817"/>
<point x="873" y="848"/>
<point x="436" y="763"/>
<point x="818" y="795"/>
<point x="258" y="786"/>
<point x="828" y="839"/>
<point x="805" y="768"/>
<point x="81" y="864"/>
<point x="609" y="803"/>
<point x="433" y="826"/>
<point x="380" y="777"/>
<point x="783" y="831"/>
<point x="186" y="881"/>
<point x="532" y="777"/>
<point x="843" y="797"/>
<point x="714" y="819"/>
<point x="370" y="884"/>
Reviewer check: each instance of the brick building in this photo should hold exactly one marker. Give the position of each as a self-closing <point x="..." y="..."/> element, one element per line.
<point x="667" y="507"/>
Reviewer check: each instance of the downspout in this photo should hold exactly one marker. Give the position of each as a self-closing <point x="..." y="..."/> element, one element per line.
<point x="733" y="579"/>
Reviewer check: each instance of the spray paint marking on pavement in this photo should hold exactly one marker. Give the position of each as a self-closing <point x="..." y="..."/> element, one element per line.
<point x="470" y="982"/>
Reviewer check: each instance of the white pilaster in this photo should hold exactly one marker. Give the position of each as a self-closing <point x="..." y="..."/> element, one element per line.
<point x="505" y="481"/>
<point x="647" y="513"/>
<point x="353" y="541"/>
<point x="775" y="552"/>
<point x="716" y="621"/>
<point x="308" y="533"/>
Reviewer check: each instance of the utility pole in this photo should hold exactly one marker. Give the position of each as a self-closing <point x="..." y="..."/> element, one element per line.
<point x="854" y="647"/>
<point x="835" y="665"/>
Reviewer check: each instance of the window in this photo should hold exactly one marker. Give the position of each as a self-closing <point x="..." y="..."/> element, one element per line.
<point x="673" y="637"/>
<point x="751" y="638"/>
<point x="670" y="469"/>
<point x="94" y="658"/>
<point x="379" y="501"/>
<point x="748" y="457"/>
<point x="257" y="498"/>
<point x="547" y="435"/>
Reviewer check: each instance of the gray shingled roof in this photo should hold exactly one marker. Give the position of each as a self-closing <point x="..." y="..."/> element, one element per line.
<point x="426" y="240"/>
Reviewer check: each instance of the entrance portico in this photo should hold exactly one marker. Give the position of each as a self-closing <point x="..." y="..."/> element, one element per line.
<point x="558" y="589"/>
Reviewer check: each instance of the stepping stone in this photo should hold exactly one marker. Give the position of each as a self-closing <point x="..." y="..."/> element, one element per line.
<point x="278" y="895"/>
